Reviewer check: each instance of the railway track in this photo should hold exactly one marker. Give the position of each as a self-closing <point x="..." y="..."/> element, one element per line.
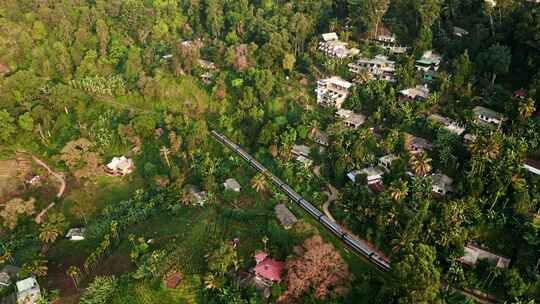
<point x="356" y="245"/>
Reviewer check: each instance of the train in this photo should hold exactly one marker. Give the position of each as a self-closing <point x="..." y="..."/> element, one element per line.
<point x="334" y="228"/>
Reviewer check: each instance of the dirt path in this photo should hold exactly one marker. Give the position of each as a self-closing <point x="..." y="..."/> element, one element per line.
<point x="332" y="196"/>
<point x="58" y="176"/>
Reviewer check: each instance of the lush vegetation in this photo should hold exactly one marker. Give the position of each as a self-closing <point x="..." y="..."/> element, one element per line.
<point x="82" y="82"/>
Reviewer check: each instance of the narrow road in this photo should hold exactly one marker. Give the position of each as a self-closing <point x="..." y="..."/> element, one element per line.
<point x="332" y="196"/>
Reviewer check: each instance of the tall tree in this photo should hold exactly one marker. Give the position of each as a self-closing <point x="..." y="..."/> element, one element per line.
<point x="417" y="275"/>
<point x="318" y="266"/>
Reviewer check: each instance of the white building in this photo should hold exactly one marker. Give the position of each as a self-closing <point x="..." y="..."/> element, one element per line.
<point x="486" y="115"/>
<point x="380" y="68"/>
<point x="333" y="47"/>
<point x="28" y="291"/>
<point x="332" y="91"/>
<point x="429" y="61"/>
<point x="76" y="234"/>
<point x="373" y="174"/>
<point x="459" y="32"/>
<point x="232" y="184"/>
<point x="448" y="124"/>
<point x="441" y="183"/>
<point x="120" y="166"/>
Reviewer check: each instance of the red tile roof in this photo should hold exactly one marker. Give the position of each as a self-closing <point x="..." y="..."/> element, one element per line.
<point x="269" y="269"/>
<point x="377" y="187"/>
<point x="521" y="93"/>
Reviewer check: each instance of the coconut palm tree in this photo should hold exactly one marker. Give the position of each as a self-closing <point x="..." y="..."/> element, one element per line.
<point x="185" y="197"/>
<point x="37" y="267"/>
<point x="398" y="190"/>
<point x="52" y="228"/>
<point x="74" y="272"/>
<point x="526" y="108"/>
<point x="258" y="182"/>
<point x="362" y="77"/>
<point x="48" y="233"/>
<point x="421" y="163"/>
<point x="165" y="153"/>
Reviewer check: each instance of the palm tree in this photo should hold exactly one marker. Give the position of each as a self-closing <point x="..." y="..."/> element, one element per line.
<point x="165" y="152"/>
<point x="52" y="228"/>
<point x="37" y="267"/>
<point x="399" y="190"/>
<point x="185" y="197"/>
<point x="362" y="77"/>
<point x="526" y="108"/>
<point x="6" y="256"/>
<point x="210" y="282"/>
<point x="48" y="233"/>
<point x="73" y="272"/>
<point x="314" y="126"/>
<point x="421" y="163"/>
<point x="265" y="241"/>
<point x="258" y="182"/>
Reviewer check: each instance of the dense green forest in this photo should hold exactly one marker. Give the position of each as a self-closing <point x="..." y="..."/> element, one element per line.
<point x="82" y="82"/>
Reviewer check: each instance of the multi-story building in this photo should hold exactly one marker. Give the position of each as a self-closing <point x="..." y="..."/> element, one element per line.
<point x="332" y="91"/>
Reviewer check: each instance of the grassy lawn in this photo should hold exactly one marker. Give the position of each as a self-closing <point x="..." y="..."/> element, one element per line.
<point x="145" y="293"/>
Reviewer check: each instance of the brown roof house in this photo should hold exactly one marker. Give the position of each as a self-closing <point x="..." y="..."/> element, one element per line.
<point x="350" y="119"/>
<point x="285" y="216"/>
<point x="417" y="93"/>
<point x="417" y="145"/>
<point x="302" y="154"/>
<point x="321" y="138"/>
